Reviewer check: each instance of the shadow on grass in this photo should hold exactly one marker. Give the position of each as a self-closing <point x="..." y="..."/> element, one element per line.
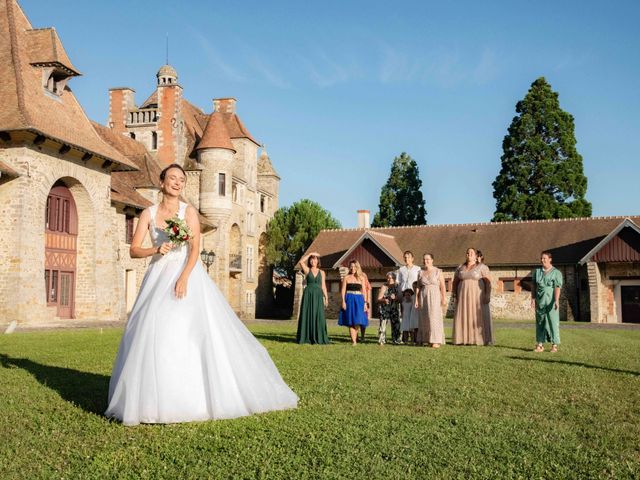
<point x="577" y="364"/>
<point x="86" y="390"/>
<point x="291" y="338"/>
<point x="509" y="347"/>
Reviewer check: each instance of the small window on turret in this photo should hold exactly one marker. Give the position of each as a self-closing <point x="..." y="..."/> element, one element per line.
<point x="132" y="135"/>
<point x="154" y="140"/>
<point x="222" y="184"/>
<point x="263" y="203"/>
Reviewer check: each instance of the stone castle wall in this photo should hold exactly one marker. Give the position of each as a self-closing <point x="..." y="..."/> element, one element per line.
<point x="23" y="199"/>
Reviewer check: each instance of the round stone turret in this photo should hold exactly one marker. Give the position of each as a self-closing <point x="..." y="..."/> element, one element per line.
<point x="167" y="75"/>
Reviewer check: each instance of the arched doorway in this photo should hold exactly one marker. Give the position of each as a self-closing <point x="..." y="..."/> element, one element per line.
<point x="61" y="235"/>
<point x="235" y="268"/>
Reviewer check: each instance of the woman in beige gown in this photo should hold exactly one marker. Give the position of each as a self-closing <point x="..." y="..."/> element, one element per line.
<point x="486" y="309"/>
<point x="430" y="302"/>
<point x="468" y="322"/>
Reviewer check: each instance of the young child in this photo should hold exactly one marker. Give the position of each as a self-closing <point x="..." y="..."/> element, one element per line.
<point x="409" y="316"/>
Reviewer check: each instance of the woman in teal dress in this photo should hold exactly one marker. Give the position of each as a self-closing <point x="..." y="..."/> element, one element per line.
<point x="545" y="298"/>
<point x="312" y="326"/>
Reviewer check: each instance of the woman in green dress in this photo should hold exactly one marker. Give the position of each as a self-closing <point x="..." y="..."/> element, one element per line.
<point x="312" y="326"/>
<point x="545" y="298"/>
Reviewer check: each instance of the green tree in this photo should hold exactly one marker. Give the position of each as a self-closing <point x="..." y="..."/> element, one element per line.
<point x="401" y="201"/>
<point x="291" y="231"/>
<point x="542" y="175"/>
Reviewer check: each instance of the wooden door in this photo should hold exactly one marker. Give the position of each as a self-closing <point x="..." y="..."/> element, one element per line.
<point x="65" y="296"/>
<point x="61" y="235"/>
<point x="630" y="297"/>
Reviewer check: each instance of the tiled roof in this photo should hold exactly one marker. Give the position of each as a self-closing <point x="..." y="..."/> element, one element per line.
<point x="507" y="243"/>
<point x="236" y="128"/>
<point x="125" y="193"/>
<point x="265" y="167"/>
<point x="44" y="47"/>
<point x="152" y="100"/>
<point x="148" y="173"/>
<point x="26" y="105"/>
<point x="216" y="134"/>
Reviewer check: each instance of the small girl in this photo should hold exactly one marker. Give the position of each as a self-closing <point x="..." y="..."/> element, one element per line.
<point x="409" y="316"/>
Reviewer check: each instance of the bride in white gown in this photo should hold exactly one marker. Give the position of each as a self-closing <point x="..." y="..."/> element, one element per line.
<point x="185" y="355"/>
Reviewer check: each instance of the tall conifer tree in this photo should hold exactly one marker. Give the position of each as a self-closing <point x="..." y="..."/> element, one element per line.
<point x="401" y="201"/>
<point x="542" y="174"/>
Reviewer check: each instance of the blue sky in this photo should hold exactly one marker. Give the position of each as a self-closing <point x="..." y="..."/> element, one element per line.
<point x="336" y="89"/>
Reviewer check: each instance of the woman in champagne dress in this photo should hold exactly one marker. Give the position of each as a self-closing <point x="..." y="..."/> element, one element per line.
<point x="487" y="322"/>
<point x="185" y="355"/>
<point x="468" y="323"/>
<point x="430" y="301"/>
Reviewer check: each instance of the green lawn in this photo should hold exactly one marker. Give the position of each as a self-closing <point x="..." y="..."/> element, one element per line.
<point x="365" y="412"/>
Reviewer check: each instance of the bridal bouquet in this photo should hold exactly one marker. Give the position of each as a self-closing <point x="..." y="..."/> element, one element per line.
<point x="177" y="230"/>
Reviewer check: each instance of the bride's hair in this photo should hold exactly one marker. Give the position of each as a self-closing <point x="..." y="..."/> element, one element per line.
<point x="163" y="173"/>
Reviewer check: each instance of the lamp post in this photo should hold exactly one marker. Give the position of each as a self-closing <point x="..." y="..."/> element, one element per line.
<point x="207" y="258"/>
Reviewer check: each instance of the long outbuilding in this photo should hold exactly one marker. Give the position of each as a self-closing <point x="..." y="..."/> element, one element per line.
<point x="599" y="259"/>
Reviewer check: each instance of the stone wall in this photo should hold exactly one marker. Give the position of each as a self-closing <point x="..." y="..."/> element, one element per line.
<point x="23" y="199"/>
<point x="605" y="280"/>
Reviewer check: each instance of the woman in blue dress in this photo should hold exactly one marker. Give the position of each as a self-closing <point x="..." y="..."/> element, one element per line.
<point x="353" y="312"/>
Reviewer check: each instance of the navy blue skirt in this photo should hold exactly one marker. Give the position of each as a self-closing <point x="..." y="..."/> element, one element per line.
<point x="354" y="314"/>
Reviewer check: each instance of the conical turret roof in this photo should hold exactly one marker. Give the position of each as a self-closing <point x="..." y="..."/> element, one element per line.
<point x="216" y="134"/>
<point x="265" y="167"/>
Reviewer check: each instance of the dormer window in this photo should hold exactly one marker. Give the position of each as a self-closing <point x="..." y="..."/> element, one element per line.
<point x="47" y="53"/>
<point x="54" y="79"/>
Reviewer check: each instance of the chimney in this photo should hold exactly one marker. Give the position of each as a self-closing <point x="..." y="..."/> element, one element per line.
<point x="121" y="101"/>
<point x="363" y="219"/>
<point x="224" y="105"/>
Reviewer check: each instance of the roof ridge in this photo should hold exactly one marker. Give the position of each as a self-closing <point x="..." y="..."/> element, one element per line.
<point x="476" y="224"/>
<point x="15" y="58"/>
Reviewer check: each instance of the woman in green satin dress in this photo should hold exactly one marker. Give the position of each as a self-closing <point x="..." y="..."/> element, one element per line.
<point x="312" y="326"/>
<point x="545" y="298"/>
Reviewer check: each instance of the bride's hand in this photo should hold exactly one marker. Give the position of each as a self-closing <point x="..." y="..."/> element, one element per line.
<point x="165" y="248"/>
<point x="181" y="287"/>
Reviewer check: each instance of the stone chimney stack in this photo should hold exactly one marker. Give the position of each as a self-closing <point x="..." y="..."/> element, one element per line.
<point x="121" y="101"/>
<point x="224" y="105"/>
<point x="363" y="219"/>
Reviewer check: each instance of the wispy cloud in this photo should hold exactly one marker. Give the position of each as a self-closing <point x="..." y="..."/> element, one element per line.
<point x="569" y="60"/>
<point x="487" y="68"/>
<point x="398" y="65"/>
<point x="268" y="72"/>
<point x="215" y="58"/>
<point x="326" y="72"/>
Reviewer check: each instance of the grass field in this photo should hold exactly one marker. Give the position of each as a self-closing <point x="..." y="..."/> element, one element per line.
<point x="365" y="412"/>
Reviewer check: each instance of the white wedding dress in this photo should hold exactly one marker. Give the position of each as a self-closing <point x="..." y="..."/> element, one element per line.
<point x="189" y="359"/>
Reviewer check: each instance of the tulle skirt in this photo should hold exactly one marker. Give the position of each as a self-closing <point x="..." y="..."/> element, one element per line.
<point x="190" y="359"/>
<point x="354" y="314"/>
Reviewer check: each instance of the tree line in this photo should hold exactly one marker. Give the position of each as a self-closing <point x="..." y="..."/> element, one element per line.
<point x="541" y="177"/>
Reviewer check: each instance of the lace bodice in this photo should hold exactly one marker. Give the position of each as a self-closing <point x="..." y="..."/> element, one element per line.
<point x="426" y="278"/>
<point x="478" y="271"/>
<point x="159" y="236"/>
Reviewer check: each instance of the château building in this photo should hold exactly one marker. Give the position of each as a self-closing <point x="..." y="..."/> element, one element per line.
<point x="71" y="189"/>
